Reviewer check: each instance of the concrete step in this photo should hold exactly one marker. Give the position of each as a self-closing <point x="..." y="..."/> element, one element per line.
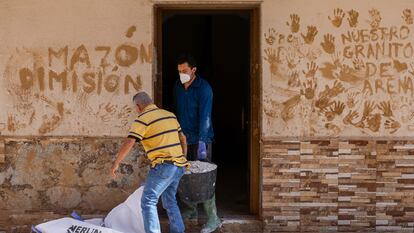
<point x="245" y="224"/>
<point x="21" y="223"/>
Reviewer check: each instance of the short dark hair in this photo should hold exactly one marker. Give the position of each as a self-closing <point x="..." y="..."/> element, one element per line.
<point x="187" y="58"/>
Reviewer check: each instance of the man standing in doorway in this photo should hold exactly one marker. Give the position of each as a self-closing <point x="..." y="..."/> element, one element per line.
<point x="165" y="145"/>
<point x="193" y="100"/>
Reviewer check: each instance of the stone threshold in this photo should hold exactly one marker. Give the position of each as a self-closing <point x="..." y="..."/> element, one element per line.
<point x="21" y="223"/>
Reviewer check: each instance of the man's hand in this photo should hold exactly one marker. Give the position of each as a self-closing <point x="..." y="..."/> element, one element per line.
<point x="114" y="168"/>
<point x="125" y="148"/>
<point x="202" y="151"/>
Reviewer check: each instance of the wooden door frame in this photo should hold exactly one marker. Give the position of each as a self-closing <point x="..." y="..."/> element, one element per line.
<point x="255" y="78"/>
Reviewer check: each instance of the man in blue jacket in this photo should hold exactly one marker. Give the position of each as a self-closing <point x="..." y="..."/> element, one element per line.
<point x="193" y="100"/>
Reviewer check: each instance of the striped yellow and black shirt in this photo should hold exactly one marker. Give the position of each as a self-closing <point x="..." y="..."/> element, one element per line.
<point x="158" y="129"/>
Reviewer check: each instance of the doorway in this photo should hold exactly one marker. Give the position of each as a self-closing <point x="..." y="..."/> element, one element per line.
<point x="221" y="42"/>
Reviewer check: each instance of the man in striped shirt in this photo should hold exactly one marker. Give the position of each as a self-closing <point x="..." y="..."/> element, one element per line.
<point x="165" y="145"/>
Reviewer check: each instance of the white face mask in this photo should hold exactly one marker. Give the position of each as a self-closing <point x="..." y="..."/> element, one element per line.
<point x="184" y="78"/>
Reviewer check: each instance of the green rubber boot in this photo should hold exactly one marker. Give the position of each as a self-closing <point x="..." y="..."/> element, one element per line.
<point x="190" y="211"/>
<point x="213" y="221"/>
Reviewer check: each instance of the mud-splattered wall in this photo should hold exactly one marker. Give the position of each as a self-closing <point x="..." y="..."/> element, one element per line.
<point x="71" y="68"/>
<point x="46" y="178"/>
<point x="341" y="71"/>
<point x="68" y="71"/>
<point x="330" y="68"/>
<point x="338" y="68"/>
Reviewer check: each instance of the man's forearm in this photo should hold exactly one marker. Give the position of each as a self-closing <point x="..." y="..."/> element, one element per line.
<point x="203" y="129"/>
<point x="183" y="142"/>
<point x="205" y="108"/>
<point x="125" y="148"/>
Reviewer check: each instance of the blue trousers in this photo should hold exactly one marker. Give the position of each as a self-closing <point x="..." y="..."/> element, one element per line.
<point x="162" y="180"/>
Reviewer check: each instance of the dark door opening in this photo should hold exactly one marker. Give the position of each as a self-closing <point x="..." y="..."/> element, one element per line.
<point x="220" y="42"/>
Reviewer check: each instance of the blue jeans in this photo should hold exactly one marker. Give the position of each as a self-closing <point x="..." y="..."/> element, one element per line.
<point x="162" y="180"/>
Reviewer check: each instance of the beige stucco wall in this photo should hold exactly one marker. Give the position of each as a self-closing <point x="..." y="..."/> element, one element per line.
<point x="89" y="40"/>
<point x="110" y="55"/>
<point x="105" y="66"/>
<point x="106" y="50"/>
<point x="358" y="90"/>
<point x="356" y="175"/>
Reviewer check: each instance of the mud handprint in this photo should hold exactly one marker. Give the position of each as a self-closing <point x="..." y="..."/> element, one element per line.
<point x="270" y="37"/>
<point x="312" y="68"/>
<point x="353" y="18"/>
<point x="288" y="106"/>
<point x="337" y="59"/>
<point x="374" y="122"/>
<point x="272" y="59"/>
<point x="323" y="103"/>
<point x="336" y="20"/>
<point x="292" y="60"/>
<point x="309" y="89"/>
<point x="358" y="64"/>
<point x="294" y="23"/>
<point x="385" y="107"/>
<point x="271" y="56"/>
<point x="326" y="95"/>
<point x="328" y="44"/>
<point x="392" y="125"/>
<point x="105" y="112"/>
<point x="335" y="90"/>
<point x="337" y="109"/>
<point x="352" y="115"/>
<point x="369" y="107"/>
<point x="310" y="34"/>
<point x="408" y="16"/>
<point x="110" y="108"/>
<point x="351" y="100"/>
<point x="294" y="80"/>
<point x="375" y="18"/>
<point x="124" y="113"/>
<point x="330" y="115"/>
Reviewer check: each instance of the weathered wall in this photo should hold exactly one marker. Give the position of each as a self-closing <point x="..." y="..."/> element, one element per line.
<point x="330" y="68"/>
<point x="68" y="72"/>
<point x="60" y="175"/>
<point x="337" y="68"/>
<point x="337" y="77"/>
<point x="71" y="67"/>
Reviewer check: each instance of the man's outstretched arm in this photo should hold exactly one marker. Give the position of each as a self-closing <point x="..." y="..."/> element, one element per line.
<point x="123" y="152"/>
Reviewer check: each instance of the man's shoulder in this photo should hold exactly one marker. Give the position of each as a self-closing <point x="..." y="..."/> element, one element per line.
<point x="154" y="115"/>
<point x="140" y="119"/>
<point x="166" y="113"/>
<point x="203" y="83"/>
<point x="205" y="86"/>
